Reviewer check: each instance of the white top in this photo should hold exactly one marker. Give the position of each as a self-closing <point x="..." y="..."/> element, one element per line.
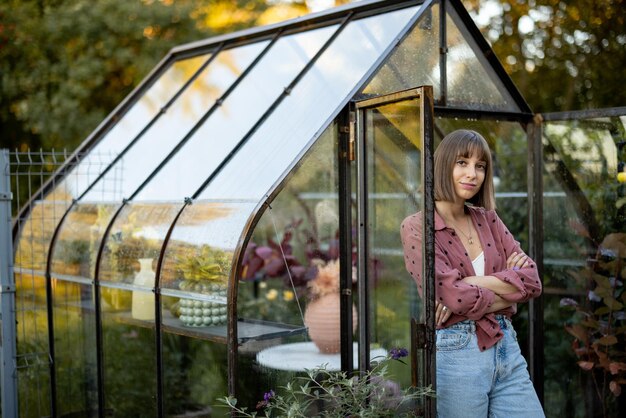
<point x="479" y="264"/>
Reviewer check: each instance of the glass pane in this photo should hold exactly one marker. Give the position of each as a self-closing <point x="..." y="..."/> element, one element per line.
<point x="154" y="145"/>
<point x="35" y="235"/>
<point x="217" y="137"/>
<point x="584" y="249"/>
<point x="127" y="279"/>
<point x="472" y="84"/>
<point x="33" y="365"/>
<point x="137" y="234"/>
<point x="197" y="265"/>
<point x="309" y="106"/>
<point x="75" y="349"/>
<point x="393" y="151"/>
<point x="77" y="244"/>
<point x="130" y="367"/>
<point x="415" y="62"/>
<point x="128" y="127"/>
<point x="291" y="277"/>
<point x="195" y="375"/>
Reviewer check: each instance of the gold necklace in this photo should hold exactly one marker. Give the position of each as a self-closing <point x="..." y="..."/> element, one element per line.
<point x="470" y="240"/>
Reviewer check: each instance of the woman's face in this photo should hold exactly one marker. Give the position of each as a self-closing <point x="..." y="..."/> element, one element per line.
<point x="468" y="176"/>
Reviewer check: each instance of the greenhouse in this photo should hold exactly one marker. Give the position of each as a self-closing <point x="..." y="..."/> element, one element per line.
<point x="176" y="258"/>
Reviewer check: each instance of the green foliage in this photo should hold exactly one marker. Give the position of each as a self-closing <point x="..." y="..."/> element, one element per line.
<point x="562" y="55"/>
<point x="206" y="263"/>
<point x="369" y="395"/>
<point x="64" y="65"/>
<point x="74" y="252"/>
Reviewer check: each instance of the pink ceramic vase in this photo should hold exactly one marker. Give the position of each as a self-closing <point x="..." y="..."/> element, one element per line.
<point x="322" y="319"/>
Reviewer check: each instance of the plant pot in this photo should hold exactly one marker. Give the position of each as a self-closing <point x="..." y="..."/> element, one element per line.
<point x="322" y="318"/>
<point x="196" y="313"/>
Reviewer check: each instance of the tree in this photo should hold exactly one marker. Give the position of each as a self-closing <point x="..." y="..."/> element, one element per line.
<point x="65" y="65"/>
<point x="562" y="55"/>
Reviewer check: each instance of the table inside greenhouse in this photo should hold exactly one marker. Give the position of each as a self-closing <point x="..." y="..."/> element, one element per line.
<point x="305" y="355"/>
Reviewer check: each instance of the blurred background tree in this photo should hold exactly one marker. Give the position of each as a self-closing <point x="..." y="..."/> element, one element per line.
<point x="562" y="55"/>
<point x="66" y="64"/>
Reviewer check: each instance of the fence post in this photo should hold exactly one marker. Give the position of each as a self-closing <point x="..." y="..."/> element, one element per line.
<point x="8" y="365"/>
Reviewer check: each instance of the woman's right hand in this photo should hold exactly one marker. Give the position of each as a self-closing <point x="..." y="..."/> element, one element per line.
<point x="517" y="261"/>
<point x="442" y="313"/>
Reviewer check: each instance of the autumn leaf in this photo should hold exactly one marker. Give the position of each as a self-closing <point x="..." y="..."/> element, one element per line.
<point x="586" y="365"/>
<point x="615" y="387"/>
<point x="578" y="332"/>
<point x="607" y="340"/>
<point x="616" y="367"/>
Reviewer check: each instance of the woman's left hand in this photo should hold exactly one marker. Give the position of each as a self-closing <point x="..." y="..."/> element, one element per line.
<point x="517" y="261"/>
<point x="442" y="313"/>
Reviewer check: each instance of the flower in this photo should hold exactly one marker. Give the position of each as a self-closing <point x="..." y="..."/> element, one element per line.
<point x="272" y="294"/>
<point x="398" y="353"/>
<point x="268" y="395"/>
<point x="326" y="281"/>
<point x="267" y="398"/>
<point x="288" y="295"/>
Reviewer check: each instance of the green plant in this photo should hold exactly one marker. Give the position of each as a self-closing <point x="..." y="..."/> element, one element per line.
<point x="371" y="394"/>
<point x="206" y="264"/>
<point x="74" y="252"/>
<point x="125" y="250"/>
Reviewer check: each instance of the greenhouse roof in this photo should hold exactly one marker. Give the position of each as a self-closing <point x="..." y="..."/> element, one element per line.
<point x="221" y="123"/>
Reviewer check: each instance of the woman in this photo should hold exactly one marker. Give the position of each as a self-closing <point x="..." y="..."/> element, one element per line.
<point x="481" y="273"/>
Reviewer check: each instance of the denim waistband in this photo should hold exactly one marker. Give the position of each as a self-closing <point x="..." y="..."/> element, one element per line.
<point x="470" y="325"/>
<point x="466" y="325"/>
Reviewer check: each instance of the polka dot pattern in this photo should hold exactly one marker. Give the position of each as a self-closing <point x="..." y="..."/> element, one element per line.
<point x="466" y="300"/>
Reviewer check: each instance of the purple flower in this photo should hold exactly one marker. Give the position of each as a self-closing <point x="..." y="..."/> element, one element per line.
<point x="268" y="395"/>
<point x="398" y="353"/>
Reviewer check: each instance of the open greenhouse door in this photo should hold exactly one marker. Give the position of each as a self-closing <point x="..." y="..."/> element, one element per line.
<point x="394" y="179"/>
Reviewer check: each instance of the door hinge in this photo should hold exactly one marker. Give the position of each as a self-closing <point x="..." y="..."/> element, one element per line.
<point x="352" y="137"/>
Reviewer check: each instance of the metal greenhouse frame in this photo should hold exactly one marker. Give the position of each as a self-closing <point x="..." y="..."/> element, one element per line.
<point x="149" y="271"/>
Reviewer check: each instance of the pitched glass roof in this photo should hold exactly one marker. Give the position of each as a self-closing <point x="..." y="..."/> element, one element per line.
<point x="225" y="120"/>
<point x="310" y="106"/>
<point x="127" y="173"/>
<point x="155" y="98"/>
<point x="239" y="112"/>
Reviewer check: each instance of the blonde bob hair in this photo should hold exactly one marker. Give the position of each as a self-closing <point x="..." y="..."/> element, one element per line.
<point x="463" y="143"/>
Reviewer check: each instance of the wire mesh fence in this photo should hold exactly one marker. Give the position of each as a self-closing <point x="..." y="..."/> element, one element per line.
<point x="44" y="186"/>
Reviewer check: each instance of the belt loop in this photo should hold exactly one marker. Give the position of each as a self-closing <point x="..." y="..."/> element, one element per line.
<point x="503" y="321"/>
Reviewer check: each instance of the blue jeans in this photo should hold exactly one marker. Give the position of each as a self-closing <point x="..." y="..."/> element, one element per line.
<point x="493" y="383"/>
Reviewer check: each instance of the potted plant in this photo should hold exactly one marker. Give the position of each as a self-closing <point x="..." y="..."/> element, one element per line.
<point x="204" y="271"/>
